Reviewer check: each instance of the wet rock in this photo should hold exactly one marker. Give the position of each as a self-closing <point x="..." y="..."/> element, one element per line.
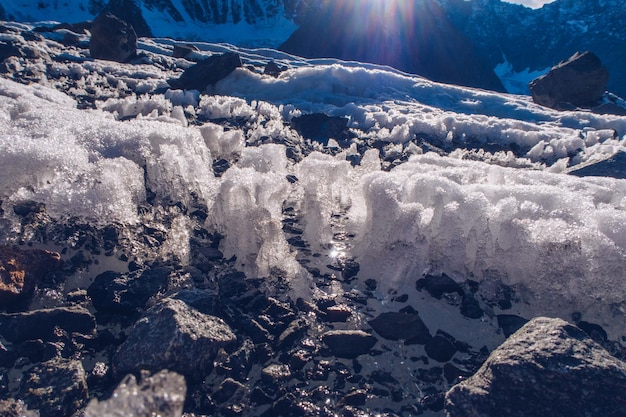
<point x="175" y="336"/>
<point x="547" y="368"/>
<point x="437" y="286"/>
<point x="349" y="343"/>
<point x="275" y="373"/>
<point x="43" y="324"/>
<point x="397" y="326"/>
<point x="441" y="347"/>
<point x="206" y="72"/>
<point x="57" y="387"/>
<point x="112" y="39"/>
<point x="580" y="82"/>
<point x="338" y="313"/>
<point x="321" y="127"/>
<point x="510" y="323"/>
<point x="161" y="394"/>
<point x="470" y="307"/>
<point x="355" y="397"/>
<point x="21" y="270"/>
<point x="114" y="292"/>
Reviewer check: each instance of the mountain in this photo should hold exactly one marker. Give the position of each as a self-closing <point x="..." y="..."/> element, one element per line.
<point x="413" y="36"/>
<point x="536" y="39"/>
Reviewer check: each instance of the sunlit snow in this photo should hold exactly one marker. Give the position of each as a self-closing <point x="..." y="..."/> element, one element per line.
<point x="472" y="214"/>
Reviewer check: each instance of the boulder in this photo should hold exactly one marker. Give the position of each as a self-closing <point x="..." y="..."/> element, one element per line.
<point x="57" y="387"/>
<point x="206" y="72"/>
<point x="547" y="368"/>
<point x="129" y="12"/>
<point x="43" y="324"/>
<point x="161" y="394"/>
<point x="579" y="82"/>
<point x="112" y="39"/>
<point x="20" y="270"/>
<point x="349" y="343"/>
<point x="321" y="127"/>
<point x="396" y="326"/>
<point x="182" y="50"/>
<point x="175" y="336"/>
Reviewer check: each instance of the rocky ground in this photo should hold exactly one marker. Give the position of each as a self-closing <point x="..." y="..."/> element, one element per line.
<point x="105" y="321"/>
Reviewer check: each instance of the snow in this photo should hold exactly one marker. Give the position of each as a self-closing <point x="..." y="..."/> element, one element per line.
<point x="469" y="212"/>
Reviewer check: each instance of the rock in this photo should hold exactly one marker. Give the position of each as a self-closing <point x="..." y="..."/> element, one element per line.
<point x="441" y="347"/>
<point x="182" y="50"/>
<point x="273" y="69"/>
<point x="510" y="323"/>
<point x="437" y="286"/>
<point x="321" y="127"/>
<point x="349" y="343"/>
<point x="338" y="313"/>
<point x="396" y="326"/>
<point x="161" y="394"/>
<point x="16" y="408"/>
<point x="613" y="166"/>
<point x="114" y="292"/>
<point x="175" y="336"/>
<point x="470" y="307"/>
<point x="9" y="49"/>
<point x="20" y="270"/>
<point x="273" y="374"/>
<point x="112" y="39"/>
<point x="227" y="389"/>
<point x="206" y="72"/>
<point x="129" y="12"/>
<point x="57" y="387"/>
<point x="580" y="81"/>
<point x="42" y="324"/>
<point x="547" y="368"/>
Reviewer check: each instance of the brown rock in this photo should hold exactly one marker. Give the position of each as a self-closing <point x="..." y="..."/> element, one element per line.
<point x="20" y="270"/>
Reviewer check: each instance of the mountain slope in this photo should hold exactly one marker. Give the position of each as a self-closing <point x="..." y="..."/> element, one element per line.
<point x="537" y="39"/>
<point x="415" y="37"/>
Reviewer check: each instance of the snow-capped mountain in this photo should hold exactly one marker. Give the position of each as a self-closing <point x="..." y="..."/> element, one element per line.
<point x="527" y="40"/>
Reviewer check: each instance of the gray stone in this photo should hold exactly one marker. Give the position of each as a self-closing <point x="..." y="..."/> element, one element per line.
<point x="42" y="324"/>
<point x="396" y="326"/>
<point x="580" y="81"/>
<point x="161" y="394"/>
<point x="57" y="387"/>
<point x="206" y="72"/>
<point x="547" y="368"/>
<point x="175" y="336"/>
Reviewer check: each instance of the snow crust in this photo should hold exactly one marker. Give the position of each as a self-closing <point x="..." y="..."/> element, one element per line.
<point x="471" y="214"/>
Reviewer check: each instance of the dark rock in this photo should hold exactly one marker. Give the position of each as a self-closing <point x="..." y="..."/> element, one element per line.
<point x="338" y="313"/>
<point x="453" y="374"/>
<point x="8" y="50"/>
<point x="81" y="28"/>
<point x="16" y="408"/>
<point x="21" y="270"/>
<point x="355" y="397"/>
<point x="42" y="324"/>
<point x="114" y="292"/>
<point x="161" y="394"/>
<point x="206" y="72"/>
<point x="24" y="208"/>
<point x="437" y="286"/>
<point x="547" y="368"/>
<point x="470" y="307"/>
<point x="205" y="301"/>
<point x="441" y="347"/>
<point x="129" y="12"/>
<point x="609" y="108"/>
<point x="614" y="166"/>
<point x="580" y="81"/>
<point x="226" y="390"/>
<point x="349" y="343"/>
<point x="396" y="326"/>
<point x="112" y="39"/>
<point x="175" y="336"/>
<point x="182" y="50"/>
<point x="510" y="323"/>
<point x="321" y="127"/>
<point x="57" y="387"/>
<point x="273" y="69"/>
<point x="275" y="373"/>
<point x="594" y="331"/>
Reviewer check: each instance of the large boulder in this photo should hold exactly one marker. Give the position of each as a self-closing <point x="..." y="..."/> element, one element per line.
<point x="579" y="82"/>
<point x="130" y="12"/>
<point x="206" y="72"/>
<point x="547" y="368"/>
<point x="112" y="39"/>
<point x="172" y="335"/>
